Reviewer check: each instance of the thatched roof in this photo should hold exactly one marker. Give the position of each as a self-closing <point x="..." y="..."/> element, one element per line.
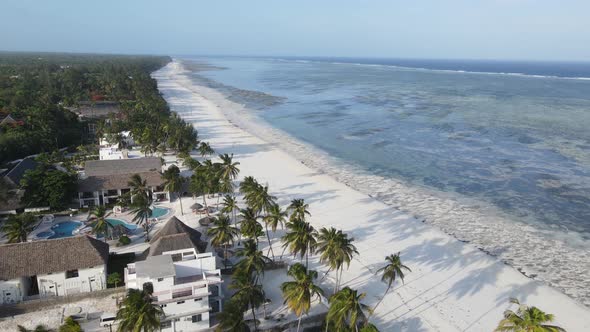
<point x="122" y="166"/>
<point x="118" y="181"/>
<point x="176" y="235"/>
<point x="196" y="206"/>
<point x="50" y="256"/>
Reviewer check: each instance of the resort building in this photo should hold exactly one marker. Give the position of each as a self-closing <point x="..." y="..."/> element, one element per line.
<point x="11" y="179"/>
<point x="187" y="283"/>
<point x="103" y="181"/>
<point x="47" y="268"/>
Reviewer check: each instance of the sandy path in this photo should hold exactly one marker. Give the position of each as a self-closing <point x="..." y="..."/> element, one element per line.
<point x="452" y="286"/>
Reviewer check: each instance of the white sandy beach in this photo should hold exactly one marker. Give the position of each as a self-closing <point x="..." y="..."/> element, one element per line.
<point x="452" y="287"/>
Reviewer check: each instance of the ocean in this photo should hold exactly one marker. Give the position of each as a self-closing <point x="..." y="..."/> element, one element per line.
<point x="495" y="153"/>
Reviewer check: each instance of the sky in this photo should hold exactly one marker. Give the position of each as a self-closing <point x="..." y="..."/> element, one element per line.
<point x="439" y="29"/>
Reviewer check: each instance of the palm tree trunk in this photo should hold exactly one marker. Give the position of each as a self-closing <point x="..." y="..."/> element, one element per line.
<point x="378" y="303"/>
<point x="180" y="201"/>
<point x="206" y="207"/>
<point x="326" y="274"/>
<point x="254" y="316"/>
<point x="269" y="243"/>
<point x="299" y="323"/>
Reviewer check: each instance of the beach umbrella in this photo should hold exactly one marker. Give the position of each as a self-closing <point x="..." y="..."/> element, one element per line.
<point x="196" y="206"/>
<point x="205" y="221"/>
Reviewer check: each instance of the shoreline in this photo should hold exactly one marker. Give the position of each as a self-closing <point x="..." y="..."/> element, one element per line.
<point x="454" y="286"/>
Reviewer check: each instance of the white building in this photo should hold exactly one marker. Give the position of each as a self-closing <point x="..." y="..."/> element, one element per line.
<point x="48" y="268"/>
<point x="109" y="151"/>
<point x="186" y="286"/>
<point x="187" y="283"/>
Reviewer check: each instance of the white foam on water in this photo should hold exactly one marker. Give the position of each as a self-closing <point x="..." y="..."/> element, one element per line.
<point x="560" y="259"/>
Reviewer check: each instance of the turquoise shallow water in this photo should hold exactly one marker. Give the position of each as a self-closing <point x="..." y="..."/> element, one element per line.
<point x="63" y="229"/>
<point x="158" y="212"/>
<point x="500" y="161"/>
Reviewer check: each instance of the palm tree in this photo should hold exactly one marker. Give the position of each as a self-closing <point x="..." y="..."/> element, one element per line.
<point x="392" y="270"/>
<point x="230" y="206"/>
<point x="335" y="248"/>
<point x="274" y="217"/>
<point x="98" y="221"/>
<point x="298" y="209"/>
<point x="142" y="213"/>
<point x="253" y="260"/>
<point x="247" y="292"/>
<point x="299" y="293"/>
<point x="369" y="328"/>
<point x="139" y="187"/>
<point x="231" y="319"/>
<point x="173" y="183"/>
<point x="18" y="227"/>
<point x="261" y="201"/>
<point x="137" y="312"/>
<point x="205" y="149"/>
<point x="229" y="168"/>
<point x="300" y="239"/>
<point x="345" y="309"/>
<point x="222" y="234"/>
<point x="527" y="319"/>
<point x="205" y="181"/>
<point x="249" y="225"/>
<point x="248" y="185"/>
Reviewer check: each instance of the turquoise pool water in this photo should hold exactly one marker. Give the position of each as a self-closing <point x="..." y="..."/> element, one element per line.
<point x="116" y="222"/>
<point x="62" y="229"/>
<point x="158" y="212"/>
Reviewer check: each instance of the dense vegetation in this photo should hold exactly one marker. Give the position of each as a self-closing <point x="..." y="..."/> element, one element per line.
<point x="36" y="88"/>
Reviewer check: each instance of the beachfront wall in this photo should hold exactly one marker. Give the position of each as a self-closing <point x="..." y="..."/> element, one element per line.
<point x="72" y="282"/>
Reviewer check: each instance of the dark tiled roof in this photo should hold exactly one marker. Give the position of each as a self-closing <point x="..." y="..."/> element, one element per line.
<point x="17" y="173"/>
<point x="122" y="166"/>
<point x="118" y="181"/>
<point x="95" y="110"/>
<point x="176" y="235"/>
<point x="49" y="256"/>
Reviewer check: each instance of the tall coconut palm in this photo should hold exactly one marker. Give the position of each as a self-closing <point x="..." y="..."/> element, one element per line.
<point x="18" y="227"/>
<point x="248" y="293"/>
<point x="98" y="221"/>
<point x="346" y="309"/>
<point x="253" y="260"/>
<point x="300" y="239"/>
<point x="139" y="187"/>
<point x="205" y="149"/>
<point x="392" y="270"/>
<point x="527" y="319"/>
<point x="248" y="185"/>
<point x="173" y="183"/>
<point x="300" y="292"/>
<point x="141" y="208"/>
<point x="230" y="206"/>
<point x="231" y="319"/>
<point x="137" y="312"/>
<point x="369" y="328"/>
<point x="249" y="225"/>
<point x="275" y="217"/>
<point x="204" y="182"/>
<point x="229" y="168"/>
<point x="298" y="209"/>
<point x="262" y="201"/>
<point x="222" y="234"/>
<point x="335" y="249"/>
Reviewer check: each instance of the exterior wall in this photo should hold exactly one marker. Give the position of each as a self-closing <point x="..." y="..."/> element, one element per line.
<point x="181" y="300"/>
<point x="88" y="280"/>
<point x="12" y="291"/>
<point x="88" y="201"/>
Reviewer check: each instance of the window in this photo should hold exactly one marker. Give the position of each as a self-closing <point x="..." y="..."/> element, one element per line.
<point x="160" y="279"/>
<point x="180" y="302"/>
<point x="176" y="257"/>
<point x="198" y="299"/>
<point x="197" y="318"/>
<point x="162" y="306"/>
<point x="166" y="324"/>
<point x="71" y="274"/>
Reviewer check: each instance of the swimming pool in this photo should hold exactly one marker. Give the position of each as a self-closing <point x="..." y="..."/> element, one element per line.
<point x="116" y="222"/>
<point x="158" y="212"/>
<point x="62" y="229"/>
